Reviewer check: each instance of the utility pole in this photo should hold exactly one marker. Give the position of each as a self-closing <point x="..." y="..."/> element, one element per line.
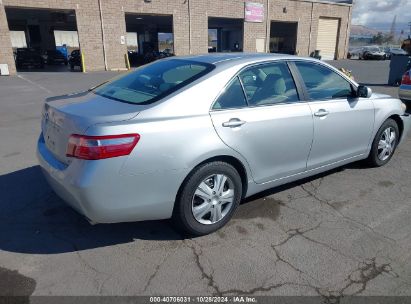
<point x="103" y="38"/>
<point x="393" y="26"/>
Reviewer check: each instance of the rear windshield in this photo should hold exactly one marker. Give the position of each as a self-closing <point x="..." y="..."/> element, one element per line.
<point x="153" y="82"/>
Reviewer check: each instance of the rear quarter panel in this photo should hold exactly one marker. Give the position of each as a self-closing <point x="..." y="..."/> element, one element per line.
<point x="176" y="134"/>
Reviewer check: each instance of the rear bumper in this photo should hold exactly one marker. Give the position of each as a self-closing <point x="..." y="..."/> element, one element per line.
<point x="98" y="190"/>
<point x="405" y="92"/>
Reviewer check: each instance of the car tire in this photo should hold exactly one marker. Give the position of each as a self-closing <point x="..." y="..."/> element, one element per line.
<point x="206" y="220"/>
<point x="377" y="158"/>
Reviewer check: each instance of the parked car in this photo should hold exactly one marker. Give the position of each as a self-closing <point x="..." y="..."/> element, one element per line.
<point x="155" y="55"/>
<point x="188" y="138"/>
<point x="56" y="57"/>
<point x="28" y="57"/>
<point x="394" y="51"/>
<point x="75" y="59"/>
<point x="355" y="52"/>
<point x="373" y="52"/>
<point x="167" y="53"/>
<point x="405" y="87"/>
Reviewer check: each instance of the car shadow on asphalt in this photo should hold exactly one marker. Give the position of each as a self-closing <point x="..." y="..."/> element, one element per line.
<point x="34" y="219"/>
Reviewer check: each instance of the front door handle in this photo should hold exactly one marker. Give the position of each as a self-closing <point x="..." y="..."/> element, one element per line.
<point x="233" y="122"/>
<point x="321" y="113"/>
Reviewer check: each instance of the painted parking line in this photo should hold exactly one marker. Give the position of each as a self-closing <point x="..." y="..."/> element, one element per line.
<point x="35" y="84"/>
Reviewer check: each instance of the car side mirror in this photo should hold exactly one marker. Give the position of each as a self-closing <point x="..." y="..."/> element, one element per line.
<point x="364" y="92"/>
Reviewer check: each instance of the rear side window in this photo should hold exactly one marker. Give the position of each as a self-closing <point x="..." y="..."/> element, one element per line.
<point x="232" y="97"/>
<point x="322" y="83"/>
<point x="153" y="82"/>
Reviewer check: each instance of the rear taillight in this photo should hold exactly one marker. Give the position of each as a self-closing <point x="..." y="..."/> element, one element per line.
<point x="406" y="78"/>
<point x="100" y="147"/>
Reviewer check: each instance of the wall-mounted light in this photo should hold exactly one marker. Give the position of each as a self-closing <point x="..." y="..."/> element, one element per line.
<point x="284" y="10"/>
<point x="147" y="1"/>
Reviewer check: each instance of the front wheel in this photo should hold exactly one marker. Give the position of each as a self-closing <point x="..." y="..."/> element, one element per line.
<point x="384" y="144"/>
<point x="208" y="198"/>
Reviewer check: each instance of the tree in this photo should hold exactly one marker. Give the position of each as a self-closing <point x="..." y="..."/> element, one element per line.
<point x="378" y="39"/>
<point x="382" y="38"/>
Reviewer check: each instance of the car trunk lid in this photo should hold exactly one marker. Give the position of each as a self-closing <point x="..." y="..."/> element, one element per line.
<point x="74" y="114"/>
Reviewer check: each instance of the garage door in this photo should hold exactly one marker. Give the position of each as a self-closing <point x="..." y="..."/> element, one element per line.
<point x="327" y="37"/>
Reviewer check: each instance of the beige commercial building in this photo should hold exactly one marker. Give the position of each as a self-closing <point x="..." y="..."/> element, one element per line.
<point x="105" y="30"/>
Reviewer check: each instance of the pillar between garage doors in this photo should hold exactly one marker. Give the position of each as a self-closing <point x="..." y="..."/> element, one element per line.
<point x="6" y="51"/>
<point x="90" y="36"/>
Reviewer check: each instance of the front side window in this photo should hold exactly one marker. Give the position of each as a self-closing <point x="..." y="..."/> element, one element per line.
<point x="269" y="84"/>
<point x="322" y="83"/>
<point x="153" y="82"/>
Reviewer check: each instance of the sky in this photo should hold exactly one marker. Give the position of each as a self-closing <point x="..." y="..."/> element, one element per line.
<point x="379" y="14"/>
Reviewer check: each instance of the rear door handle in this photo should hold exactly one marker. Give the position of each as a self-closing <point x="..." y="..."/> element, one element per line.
<point x="321" y="113"/>
<point x="233" y="122"/>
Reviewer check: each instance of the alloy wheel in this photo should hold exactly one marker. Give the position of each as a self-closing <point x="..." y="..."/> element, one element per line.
<point x="213" y="199"/>
<point x="387" y="143"/>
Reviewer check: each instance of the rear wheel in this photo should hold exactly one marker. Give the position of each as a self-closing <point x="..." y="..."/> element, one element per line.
<point x="208" y="198"/>
<point x="384" y="144"/>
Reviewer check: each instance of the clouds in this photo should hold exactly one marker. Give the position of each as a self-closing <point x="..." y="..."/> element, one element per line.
<point x="387" y="5"/>
<point x="380" y="13"/>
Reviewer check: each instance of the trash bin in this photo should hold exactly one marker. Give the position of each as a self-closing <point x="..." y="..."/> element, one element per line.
<point x="398" y="65"/>
<point x="316" y="54"/>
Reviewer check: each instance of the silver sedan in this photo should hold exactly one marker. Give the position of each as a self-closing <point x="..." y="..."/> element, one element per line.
<point x="188" y="138"/>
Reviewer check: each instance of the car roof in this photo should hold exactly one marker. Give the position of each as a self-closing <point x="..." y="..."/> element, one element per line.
<point x="223" y="61"/>
<point x="233" y="59"/>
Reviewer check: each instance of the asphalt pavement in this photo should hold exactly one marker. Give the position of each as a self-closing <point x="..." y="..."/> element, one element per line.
<point x="345" y="232"/>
